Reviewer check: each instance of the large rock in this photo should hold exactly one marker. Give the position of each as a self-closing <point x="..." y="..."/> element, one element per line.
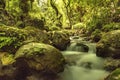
<point x="59" y="39"/>
<point x="33" y="59"/>
<point x="79" y="46"/>
<point x="41" y="57"/>
<point x="83" y="47"/>
<point x="109" y="45"/>
<point x="115" y="75"/>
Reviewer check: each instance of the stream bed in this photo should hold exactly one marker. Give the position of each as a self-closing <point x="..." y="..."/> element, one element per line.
<point x="82" y="65"/>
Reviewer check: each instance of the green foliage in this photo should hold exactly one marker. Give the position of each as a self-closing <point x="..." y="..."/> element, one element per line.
<point x="95" y="13"/>
<point x="2" y="24"/>
<point x="52" y="28"/>
<point x="79" y="26"/>
<point x="2" y="3"/>
<point x="35" y="12"/>
<point x="115" y="75"/>
<point x="20" y="24"/>
<point x="35" y="22"/>
<point x="97" y="31"/>
<point x="63" y="13"/>
<point x="116" y="72"/>
<point x="6" y="41"/>
<point x="12" y="6"/>
<point x="94" y="24"/>
<point x="111" y="26"/>
<point x="24" y="6"/>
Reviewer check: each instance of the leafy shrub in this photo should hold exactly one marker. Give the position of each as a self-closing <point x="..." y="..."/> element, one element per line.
<point x="38" y="23"/>
<point x="78" y="26"/>
<point x="54" y="28"/>
<point x="115" y="75"/>
<point x="111" y="26"/>
<point x="97" y="31"/>
<point x="94" y="24"/>
<point x="20" y="24"/>
<point x="6" y="41"/>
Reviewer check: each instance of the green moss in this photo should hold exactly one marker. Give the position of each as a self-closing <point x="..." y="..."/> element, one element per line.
<point x="7" y="59"/>
<point x="97" y="31"/>
<point x="115" y="75"/>
<point x="36" y="22"/>
<point x="37" y="52"/>
<point x="2" y="24"/>
<point x="11" y="38"/>
<point x="52" y="28"/>
<point x="112" y="38"/>
<point x="116" y="72"/>
<point x="6" y="41"/>
<point x="20" y="24"/>
<point x="79" y="26"/>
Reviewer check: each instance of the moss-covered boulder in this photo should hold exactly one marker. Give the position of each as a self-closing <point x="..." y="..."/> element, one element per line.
<point x="115" y="75"/>
<point x="59" y="39"/>
<point x="109" y="45"/>
<point x="82" y="47"/>
<point x="41" y="57"/>
<point x="31" y="59"/>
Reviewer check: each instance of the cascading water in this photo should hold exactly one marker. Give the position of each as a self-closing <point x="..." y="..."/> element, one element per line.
<point x="82" y="65"/>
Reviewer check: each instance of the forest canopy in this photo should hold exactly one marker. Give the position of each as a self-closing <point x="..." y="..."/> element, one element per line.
<point x="57" y="14"/>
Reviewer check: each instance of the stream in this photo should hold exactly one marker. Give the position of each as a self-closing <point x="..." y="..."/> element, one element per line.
<point x="82" y="65"/>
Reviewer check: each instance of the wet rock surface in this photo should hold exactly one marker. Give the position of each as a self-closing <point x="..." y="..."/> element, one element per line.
<point x="109" y="48"/>
<point x="41" y="57"/>
<point x="84" y="47"/>
<point x="109" y="45"/>
<point x="59" y="39"/>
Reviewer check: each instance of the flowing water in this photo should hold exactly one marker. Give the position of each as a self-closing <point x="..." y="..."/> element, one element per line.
<point x="82" y="65"/>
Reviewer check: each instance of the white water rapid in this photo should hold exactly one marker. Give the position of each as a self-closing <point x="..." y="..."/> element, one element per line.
<point x="82" y="65"/>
